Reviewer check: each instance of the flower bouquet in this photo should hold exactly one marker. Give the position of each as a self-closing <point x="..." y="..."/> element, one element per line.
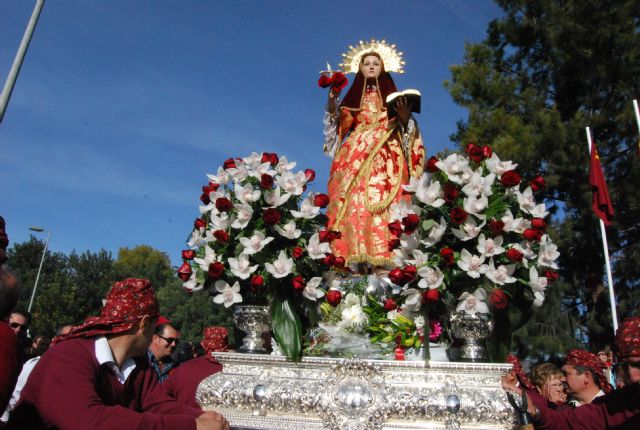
<point x="471" y="231"/>
<point x="260" y="240"/>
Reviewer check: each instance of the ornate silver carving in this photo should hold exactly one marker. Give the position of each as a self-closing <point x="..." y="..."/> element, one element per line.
<point x="472" y="330"/>
<point x="253" y="320"/>
<point x="267" y="392"/>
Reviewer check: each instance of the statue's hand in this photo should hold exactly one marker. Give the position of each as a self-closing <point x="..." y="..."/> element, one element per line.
<point x="403" y="107"/>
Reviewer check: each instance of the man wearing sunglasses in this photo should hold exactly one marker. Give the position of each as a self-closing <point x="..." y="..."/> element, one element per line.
<point x="165" y="340"/>
<point x="19" y="322"/>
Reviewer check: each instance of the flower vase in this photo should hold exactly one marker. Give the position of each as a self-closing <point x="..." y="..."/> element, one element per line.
<point x="254" y="321"/>
<point x="471" y="330"/>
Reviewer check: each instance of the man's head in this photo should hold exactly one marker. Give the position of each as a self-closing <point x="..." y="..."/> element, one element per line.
<point x="583" y="372"/>
<point x="19" y="322"/>
<point x="165" y="340"/>
<point x="627" y="347"/>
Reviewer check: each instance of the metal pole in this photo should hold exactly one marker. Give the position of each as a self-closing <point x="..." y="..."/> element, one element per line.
<point x="17" y="62"/>
<point x="35" y="286"/>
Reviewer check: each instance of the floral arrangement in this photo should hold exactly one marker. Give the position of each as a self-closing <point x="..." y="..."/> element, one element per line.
<point x="260" y="240"/>
<point x="471" y="231"/>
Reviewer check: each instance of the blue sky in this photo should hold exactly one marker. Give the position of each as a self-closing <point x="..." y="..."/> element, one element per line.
<point x="122" y="107"/>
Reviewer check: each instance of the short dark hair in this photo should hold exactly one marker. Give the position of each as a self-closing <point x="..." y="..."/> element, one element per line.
<point x="160" y="328"/>
<point x="594" y="375"/>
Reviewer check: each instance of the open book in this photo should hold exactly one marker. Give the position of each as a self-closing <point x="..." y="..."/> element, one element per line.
<point x="413" y="99"/>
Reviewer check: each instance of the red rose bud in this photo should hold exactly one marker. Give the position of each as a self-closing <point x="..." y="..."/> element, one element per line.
<point x="204" y="198"/>
<point x="496" y="227"/>
<point x="221" y="236"/>
<point x="272" y="216"/>
<point x="409" y="274"/>
<point x="389" y="305"/>
<point x="324" y="236"/>
<point x="270" y="157"/>
<point x="199" y="223"/>
<point x="334" y="297"/>
<point x="257" y="281"/>
<point x="551" y="276"/>
<point x="450" y="192"/>
<point x="538" y="223"/>
<point x="213" y="187"/>
<point x="396" y="276"/>
<point x="514" y="255"/>
<point x="329" y="260"/>
<point x="325" y="81"/>
<point x="339" y="81"/>
<point x="410" y="223"/>
<point x="498" y="299"/>
<point x="215" y="270"/>
<point x="458" y="216"/>
<point x="223" y="204"/>
<point x="430" y="296"/>
<point x="532" y="234"/>
<point x="431" y="165"/>
<point x="229" y="163"/>
<point x="188" y="254"/>
<point x="297" y="252"/>
<point x="395" y="228"/>
<point x="184" y="272"/>
<point x="393" y="244"/>
<point x="321" y="200"/>
<point x="334" y="234"/>
<point x="298" y="283"/>
<point x="487" y="152"/>
<point x="538" y="183"/>
<point x="510" y="178"/>
<point x="310" y="174"/>
<point x="266" y="181"/>
<point x="339" y="261"/>
<point x="474" y="152"/>
<point x="447" y="256"/>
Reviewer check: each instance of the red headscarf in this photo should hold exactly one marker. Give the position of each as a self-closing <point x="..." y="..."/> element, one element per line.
<point x="580" y="357"/>
<point x="127" y="302"/>
<point x="627" y="342"/>
<point x="517" y="369"/>
<point x="384" y="83"/>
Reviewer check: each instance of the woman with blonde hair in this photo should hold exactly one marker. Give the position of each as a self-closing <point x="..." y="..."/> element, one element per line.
<point x="549" y="381"/>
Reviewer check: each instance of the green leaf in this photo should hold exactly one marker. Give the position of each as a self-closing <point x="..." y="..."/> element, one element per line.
<point x="427" y="224"/>
<point x="287" y="328"/>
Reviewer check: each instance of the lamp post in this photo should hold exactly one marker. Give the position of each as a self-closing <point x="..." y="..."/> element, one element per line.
<point x="44" y="252"/>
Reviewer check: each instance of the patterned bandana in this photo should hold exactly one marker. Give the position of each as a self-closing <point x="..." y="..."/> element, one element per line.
<point x="517" y="369"/>
<point x="627" y="342"/>
<point x="215" y="339"/>
<point x="127" y="302"/>
<point x="580" y="357"/>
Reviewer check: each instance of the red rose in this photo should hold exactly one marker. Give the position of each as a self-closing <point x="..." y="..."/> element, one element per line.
<point x="498" y="299"/>
<point x="510" y="178"/>
<point x="430" y="296"/>
<point x="266" y="181"/>
<point x="221" y="236"/>
<point x="204" y="198"/>
<point x="532" y="234"/>
<point x="395" y="228"/>
<point x="474" y="152"/>
<point x="188" y="254"/>
<point x="538" y="223"/>
<point x="389" y="305"/>
<point x="458" y="215"/>
<point x="487" y="152"/>
<point x="334" y="297"/>
<point x="270" y="157"/>
<point x="213" y="187"/>
<point x="328" y="260"/>
<point x="297" y="252"/>
<point x="450" y="192"/>
<point x="321" y="200"/>
<point x="339" y="81"/>
<point x="223" y="204"/>
<point x="396" y="276"/>
<point x="447" y="256"/>
<point x="410" y="223"/>
<point x="271" y="216"/>
<point x="310" y="174"/>
<point x="431" y="165"/>
<point x="514" y="255"/>
<point x="215" y="270"/>
<point x="257" y="281"/>
<point x="409" y="274"/>
<point x="551" y="276"/>
<point x="393" y="244"/>
<point x="496" y="227"/>
<point x="334" y="234"/>
<point x="325" y="81"/>
<point x="324" y="236"/>
<point x="537" y="183"/>
<point x="199" y="223"/>
<point x="339" y="261"/>
<point x="298" y="283"/>
<point x="229" y="163"/>
<point x="184" y="272"/>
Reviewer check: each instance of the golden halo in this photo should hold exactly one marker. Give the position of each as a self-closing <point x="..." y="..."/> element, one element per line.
<point x="391" y="58"/>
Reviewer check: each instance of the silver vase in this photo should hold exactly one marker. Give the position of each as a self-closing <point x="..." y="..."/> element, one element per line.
<point x="471" y="330"/>
<point x="254" y="321"/>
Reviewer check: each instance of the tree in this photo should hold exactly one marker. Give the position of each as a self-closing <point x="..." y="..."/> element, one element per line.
<point x="547" y="69"/>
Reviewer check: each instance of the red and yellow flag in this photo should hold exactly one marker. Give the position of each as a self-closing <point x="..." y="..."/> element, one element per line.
<point x="601" y="202"/>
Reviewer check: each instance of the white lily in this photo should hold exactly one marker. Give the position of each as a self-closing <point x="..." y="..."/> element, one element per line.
<point x="431" y="277"/>
<point x="419" y="257"/>
<point x="413" y="300"/>
<point x="292" y="182"/>
<point x="539" y="211"/>
<point x="502" y="274"/>
<point x="478" y="184"/>
<point x="413" y="184"/>
<point x="242" y="216"/>
<point x="526" y="200"/>
<point x="402" y="209"/>
<point x="468" y="230"/>
<point x="289" y="230"/>
<point x="284" y="165"/>
<point x="275" y="198"/>
<point x="454" y="166"/>
<point x="475" y="205"/>
<point x="209" y="257"/>
<point x="238" y="173"/>
<point x="196" y="239"/>
<point x="281" y="267"/>
<point x="192" y="284"/>
<point x="527" y="252"/>
<point x="219" y="221"/>
<point x="473" y="303"/>
<point x="498" y="167"/>
<point x="246" y="194"/>
<point x="241" y="266"/>
<point x="311" y="290"/>
<point x="253" y="160"/>
<point x="490" y="247"/>
<point x="435" y="233"/>
<point x="538" y="285"/>
<point x="430" y="194"/>
<point x="307" y="209"/>
<point x="255" y="243"/>
<point x="472" y="264"/>
<point x="548" y="253"/>
<point x="221" y="178"/>
<point x="516" y="225"/>
<point x="228" y="295"/>
<point x="317" y="249"/>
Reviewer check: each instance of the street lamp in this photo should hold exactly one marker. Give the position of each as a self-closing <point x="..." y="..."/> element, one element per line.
<point x="46" y="245"/>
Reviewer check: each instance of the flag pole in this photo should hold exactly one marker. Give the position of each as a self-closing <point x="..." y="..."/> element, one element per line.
<point x="637" y="111"/>
<point x="605" y="247"/>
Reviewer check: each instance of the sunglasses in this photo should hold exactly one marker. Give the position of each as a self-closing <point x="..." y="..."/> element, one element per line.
<point x="16" y="325"/>
<point x="170" y="340"/>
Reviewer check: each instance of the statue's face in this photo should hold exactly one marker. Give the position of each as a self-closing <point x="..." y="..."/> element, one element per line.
<point x="371" y="66"/>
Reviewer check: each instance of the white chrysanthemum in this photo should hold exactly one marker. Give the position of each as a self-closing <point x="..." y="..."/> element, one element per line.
<point x="255" y="243"/>
<point x="548" y="253"/>
<point x="275" y="198"/>
<point x="454" y="166"/>
<point x="317" y="249"/>
<point x="430" y="277"/>
<point x="311" y="290"/>
<point x="354" y="318"/>
<point x="468" y="230"/>
<point x="289" y="230"/>
<point x="498" y="167"/>
<point x="502" y="274"/>
<point x="241" y="266"/>
<point x="242" y="216"/>
<point x="430" y="194"/>
<point x="281" y="267"/>
<point x="246" y="194"/>
<point x="479" y="185"/>
<point x="307" y="209"/>
<point x="419" y="322"/>
<point x="228" y="295"/>
<point x="490" y="247"/>
<point x="472" y="264"/>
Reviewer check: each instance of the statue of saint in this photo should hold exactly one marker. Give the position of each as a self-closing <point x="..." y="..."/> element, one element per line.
<point x="373" y="155"/>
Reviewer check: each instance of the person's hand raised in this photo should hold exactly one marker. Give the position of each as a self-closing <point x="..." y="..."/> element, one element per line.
<point x="403" y="107"/>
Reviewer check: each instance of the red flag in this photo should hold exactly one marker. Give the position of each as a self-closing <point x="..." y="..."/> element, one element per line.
<point x="601" y="202"/>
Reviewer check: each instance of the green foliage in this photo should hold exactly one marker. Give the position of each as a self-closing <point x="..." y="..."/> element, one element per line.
<point x="287" y="328"/>
<point x="145" y="262"/>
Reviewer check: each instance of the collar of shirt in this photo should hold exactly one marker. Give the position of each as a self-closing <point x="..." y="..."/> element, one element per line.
<point x="104" y="355"/>
<point x="161" y="369"/>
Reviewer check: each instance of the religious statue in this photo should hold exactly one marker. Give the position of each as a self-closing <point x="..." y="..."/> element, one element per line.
<point x="374" y="153"/>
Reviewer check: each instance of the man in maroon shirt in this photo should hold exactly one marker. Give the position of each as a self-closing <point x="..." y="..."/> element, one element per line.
<point x="184" y="380"/>
<point x="97" y="376"/>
